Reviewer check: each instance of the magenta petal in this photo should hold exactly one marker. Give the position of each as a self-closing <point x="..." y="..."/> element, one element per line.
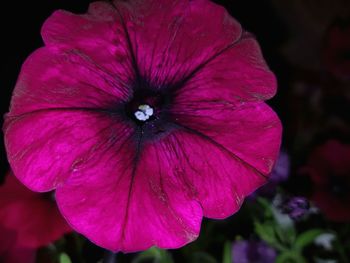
<point x="52" y="78"/>
<point x="237" y="75"/>
<point x="127" y="204"/>
<point x="170" y="39"/>
<point x="66" y="28"/>
<point x="207" y="172"/>
<point x="128" y="178"/>
<point x="251" y="132"/>
<point x="45" y="147"/>
<point x="99" y="35"/>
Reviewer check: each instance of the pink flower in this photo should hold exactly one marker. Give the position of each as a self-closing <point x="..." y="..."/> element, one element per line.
<point x="329" y="170"/>
<point x="28" y="221"/>
<point x="144" y="116"/>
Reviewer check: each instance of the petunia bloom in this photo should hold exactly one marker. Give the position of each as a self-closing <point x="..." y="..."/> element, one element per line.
<point x="28" y="220"/>
<point x="145" y="116"/>
<point x="329" y="169"/>
<point x="296" y="207"/>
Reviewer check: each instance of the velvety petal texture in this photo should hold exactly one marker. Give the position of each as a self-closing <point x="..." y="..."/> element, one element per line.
<point x="48" y="145"/>
<point x="98" y="35"/>
<point x="142" y="205"/>
<point x="248" y="132"/>
<point x="129" y="179"/>
<point x="170" y="39"/>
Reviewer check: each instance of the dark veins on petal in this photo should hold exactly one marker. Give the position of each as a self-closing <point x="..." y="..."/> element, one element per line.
<point x="157" y="125"/>
<point x="159" y="98"/>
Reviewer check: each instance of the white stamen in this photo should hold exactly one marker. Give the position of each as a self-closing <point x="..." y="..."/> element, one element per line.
<point x="144" y="112"/>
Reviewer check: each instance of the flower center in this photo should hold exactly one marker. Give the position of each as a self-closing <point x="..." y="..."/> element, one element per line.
<point x="144" y="112"/>
<point x="148" y="111"/>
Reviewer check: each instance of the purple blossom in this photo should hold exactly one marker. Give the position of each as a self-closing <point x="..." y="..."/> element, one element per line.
<point x="280" y="173"/>
<point x="295" y="207"/>
<point x="252" y="251"/>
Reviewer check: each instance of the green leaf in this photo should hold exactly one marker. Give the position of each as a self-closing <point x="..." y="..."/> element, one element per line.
<point x="266" y="205"/>
<point x="265" y="231"/>
<point x="64" y="258"/>
<point x="286" y="235"/>
<point x="306" y="238"/>
<point x="227" y="255"/>
<point x="290" y="257"/>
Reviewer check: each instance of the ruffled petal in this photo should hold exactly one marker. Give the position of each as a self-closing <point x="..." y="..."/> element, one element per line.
<point x="52" y="78"/>
<point x="171" y="39"/>
<point x="45" y="147"/>
<point x="237" y="75"/>
<point x="251" y="132"/>
<point x="98" y="34"/>
<point x="127" y="202"/>
<point x="66" y="28"/>
<point x="207" y="172"/>
<point x="122" y="192"/>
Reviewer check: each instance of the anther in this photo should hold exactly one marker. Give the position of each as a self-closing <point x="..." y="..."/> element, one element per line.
<point x="144" y="112"/>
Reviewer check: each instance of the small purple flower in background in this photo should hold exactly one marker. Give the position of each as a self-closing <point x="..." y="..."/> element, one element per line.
<point x="244" y="251"/>
<point x="279" y="174"/>
<point x="296" y="207"/>
<point x="144" y="116"/>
